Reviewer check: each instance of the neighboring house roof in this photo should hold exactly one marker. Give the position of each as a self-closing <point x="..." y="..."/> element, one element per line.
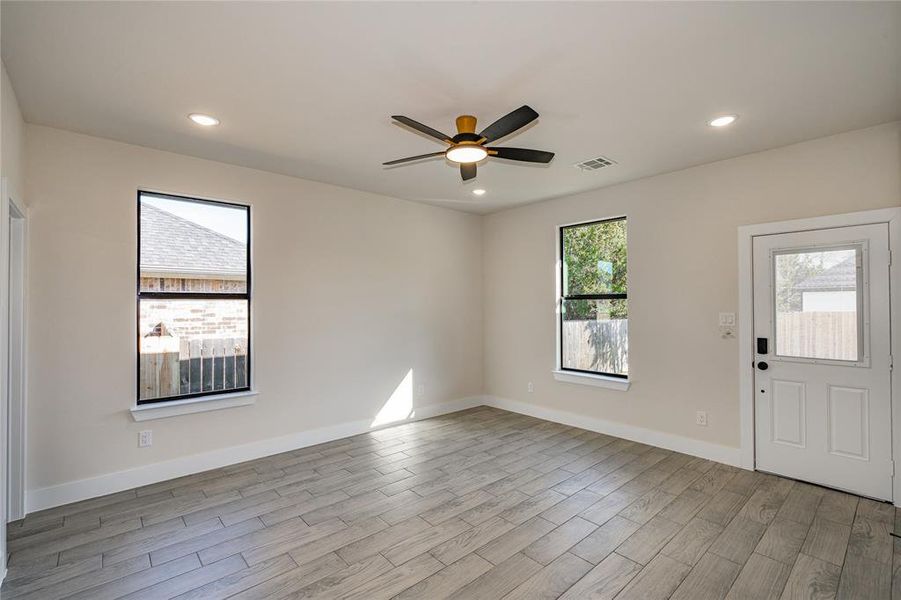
<point x="172" y="245"/>
<point x="841" y="276"/>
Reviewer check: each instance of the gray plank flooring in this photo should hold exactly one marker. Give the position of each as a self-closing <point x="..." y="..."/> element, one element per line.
<point x="477" y="504"/>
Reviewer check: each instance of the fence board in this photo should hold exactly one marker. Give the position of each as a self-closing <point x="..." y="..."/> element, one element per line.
<point x="184" y="367"/>
<point x="195" y="366"/>
<point x="218" y="363"/>
<point x="241" y="363"/>
<point x="206" y="365"/>
<point x="829" y="335"/>
<point x="229" y="363"/>
<point x="596" y="345"/>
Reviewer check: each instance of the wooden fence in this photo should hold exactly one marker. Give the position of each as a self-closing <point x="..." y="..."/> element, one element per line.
<point x="830" y="335"/>
<point x="596" y="345"/>
<point x="172" y="366"/>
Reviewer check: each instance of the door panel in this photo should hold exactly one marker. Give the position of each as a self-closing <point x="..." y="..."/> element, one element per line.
<point x="789" y="413"/>
<point x="848" y="421"/>
<point x="822" y="388"/>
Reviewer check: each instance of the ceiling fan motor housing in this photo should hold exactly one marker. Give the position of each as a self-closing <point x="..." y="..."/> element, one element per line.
<point x="466" y="124"/>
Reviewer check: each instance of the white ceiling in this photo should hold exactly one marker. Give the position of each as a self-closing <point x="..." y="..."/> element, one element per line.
<point x="307" y="89"/>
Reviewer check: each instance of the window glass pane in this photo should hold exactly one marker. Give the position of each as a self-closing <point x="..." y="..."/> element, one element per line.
<point x="596" y="336"/>
<point x="594" y="258"/>
<point x="192" y="346"/>
<point x="816" y="304"/>
<point x="192" y="246"/>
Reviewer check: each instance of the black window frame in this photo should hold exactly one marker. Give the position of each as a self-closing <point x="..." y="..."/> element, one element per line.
<point x="141" y="295"/>
<point x="563" y="297"/>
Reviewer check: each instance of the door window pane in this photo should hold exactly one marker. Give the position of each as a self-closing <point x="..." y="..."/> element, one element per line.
<point x="192" y="347"/>
<point x="595" y="336"/>
<point x="817" y="295"/>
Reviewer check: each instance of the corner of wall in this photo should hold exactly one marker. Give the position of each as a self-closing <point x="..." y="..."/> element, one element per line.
<point x="12" y="137"/>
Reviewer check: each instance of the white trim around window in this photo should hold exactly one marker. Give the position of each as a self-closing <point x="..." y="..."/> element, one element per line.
<point x="174" y="408"/>
<point x="603" y="381"/>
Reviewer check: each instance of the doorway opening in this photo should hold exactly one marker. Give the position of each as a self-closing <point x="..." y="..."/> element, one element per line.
<point x="12" y="356"/>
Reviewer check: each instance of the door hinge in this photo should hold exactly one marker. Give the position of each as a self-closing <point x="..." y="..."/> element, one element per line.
<point x="891" y="362"/>
<point x="891" y="465"/>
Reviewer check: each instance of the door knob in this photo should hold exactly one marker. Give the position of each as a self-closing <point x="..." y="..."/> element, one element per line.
<point x="763" y="366"/>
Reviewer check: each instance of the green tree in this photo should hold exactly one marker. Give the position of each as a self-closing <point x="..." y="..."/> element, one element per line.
<point x="594" y="262"/>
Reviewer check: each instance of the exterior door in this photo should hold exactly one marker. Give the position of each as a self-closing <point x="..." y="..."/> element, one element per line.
<point x="822" y="357"/>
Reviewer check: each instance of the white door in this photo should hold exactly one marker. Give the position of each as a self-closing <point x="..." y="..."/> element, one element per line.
<point x="822" y="357"/>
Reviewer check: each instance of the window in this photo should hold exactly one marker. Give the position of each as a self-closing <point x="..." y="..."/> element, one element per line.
<point x="818" y="297"/>
<point x="193" y="288"/>
<point x="594" y="325"/>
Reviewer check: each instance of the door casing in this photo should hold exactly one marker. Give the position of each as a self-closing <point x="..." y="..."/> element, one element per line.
<point x="746" y="234"/>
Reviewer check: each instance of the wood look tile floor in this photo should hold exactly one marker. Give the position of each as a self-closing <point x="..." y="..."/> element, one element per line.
<point x="478" y="504"/>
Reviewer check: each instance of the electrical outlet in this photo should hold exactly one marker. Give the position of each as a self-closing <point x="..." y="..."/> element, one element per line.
<point x="530" y="387"/>
<point x="420" y="390"/>
<point x="701" y="418"/>
<point x="145" y="439"/>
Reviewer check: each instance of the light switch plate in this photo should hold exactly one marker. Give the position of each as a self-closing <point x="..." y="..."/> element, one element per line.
<point x="727" y="319"/>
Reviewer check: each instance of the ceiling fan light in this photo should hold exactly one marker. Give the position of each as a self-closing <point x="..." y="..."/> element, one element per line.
<point x="466" y="153"/>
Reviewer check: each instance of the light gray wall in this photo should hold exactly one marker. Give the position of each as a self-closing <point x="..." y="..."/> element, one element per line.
<point x="350" y="291"/>
<point x="682" y="235"/>
<point x="11" y="137"/>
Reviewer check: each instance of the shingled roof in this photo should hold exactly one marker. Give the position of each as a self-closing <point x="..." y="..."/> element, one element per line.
<point x="171" y="245"/>
<point x="841" y="276"/>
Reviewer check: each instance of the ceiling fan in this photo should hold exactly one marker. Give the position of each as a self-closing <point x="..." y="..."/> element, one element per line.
<point x="468" y="147"/>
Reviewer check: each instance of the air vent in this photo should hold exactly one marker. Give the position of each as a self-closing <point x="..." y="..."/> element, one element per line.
<point x="595" y="163"/>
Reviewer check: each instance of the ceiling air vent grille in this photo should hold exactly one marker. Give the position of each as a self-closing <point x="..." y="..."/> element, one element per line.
<point x="595" y="163"/>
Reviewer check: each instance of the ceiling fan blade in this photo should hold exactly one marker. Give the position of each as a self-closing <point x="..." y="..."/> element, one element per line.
<point x="412" y="158"/>
<point x="423" y="128"/>
<point x="468" y="171"/>
<point x="523" y="154"/>
<point x="507" y="124"/>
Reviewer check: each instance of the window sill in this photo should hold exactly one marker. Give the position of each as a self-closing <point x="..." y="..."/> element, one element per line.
<point x="163" y="410"/>
<point x="604" y="381"/>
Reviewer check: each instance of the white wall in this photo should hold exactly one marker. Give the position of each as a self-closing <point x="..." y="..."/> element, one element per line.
<point x="682" y="236"/>
<point x="11" y="137"/>
<point x="351" y="291"/>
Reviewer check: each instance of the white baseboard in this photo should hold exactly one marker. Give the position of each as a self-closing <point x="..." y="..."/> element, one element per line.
<point x="73" y="491"/>
<point x="669" y="441"/>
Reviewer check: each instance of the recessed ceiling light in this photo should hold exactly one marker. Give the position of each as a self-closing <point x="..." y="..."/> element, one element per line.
<point x="722" y="121"/>
<point x="202" y="119"/>
<point x="479" y="192"/>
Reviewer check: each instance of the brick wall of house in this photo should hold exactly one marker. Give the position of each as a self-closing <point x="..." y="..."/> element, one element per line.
<point x="193" y="319"/>
<point x="196" y="318"/>
<point x="177" y="284"/>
